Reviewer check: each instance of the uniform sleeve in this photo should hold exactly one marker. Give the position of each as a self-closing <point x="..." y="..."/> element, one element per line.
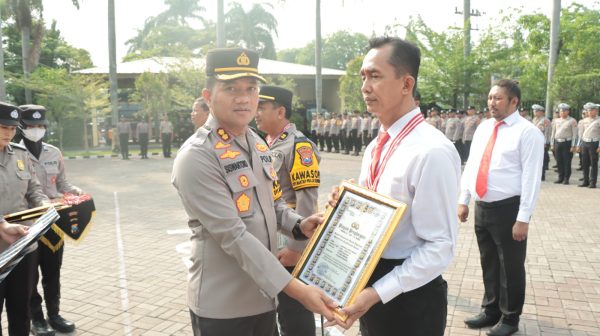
<point x="575" y="133"/>
<point x="306" y="205"/>
<point x="62" y="184"/>
<point x="532" y="158"/>
<point x="35" y="194"/>
<point x="206" y="197"/>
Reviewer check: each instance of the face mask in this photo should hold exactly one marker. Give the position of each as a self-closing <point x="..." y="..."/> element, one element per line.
<point x="34" y="134"/>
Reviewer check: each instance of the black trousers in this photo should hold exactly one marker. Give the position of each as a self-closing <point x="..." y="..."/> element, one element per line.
<point x="328" y="141"/>
<point x="564" y="156"/>
<point x="467" y="149"/>
<point x="256" y="325"/>
<point x="420" y="312"/>
<point x="294" y="319"/>
<point x="589" y="157"/>
<point x="502" y="259"/>
<point x="15" y="291"/>
<point x="355" y="141"/>
<point x="166" y="144"/>
<point x="50" y="264"/>
<point x="335" y="143"/>
<point x="124" y="143"/>
<point x="313" y="136"/>
<point x="144" y="144"/>
<point x="321" y="144"/>
<point x="546" y="157"/>
<point x="459" y="148"/>
<point x="365" y="138"/>
<point x="343" y="140"/>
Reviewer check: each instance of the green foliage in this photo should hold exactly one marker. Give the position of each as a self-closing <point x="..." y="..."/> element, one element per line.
<point x="350" y="87"/>
<point x="252" y="29"/>
<point x="152" y="92"/>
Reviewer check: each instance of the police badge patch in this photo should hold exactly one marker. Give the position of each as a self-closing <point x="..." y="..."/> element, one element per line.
<point x="306" y="154"/>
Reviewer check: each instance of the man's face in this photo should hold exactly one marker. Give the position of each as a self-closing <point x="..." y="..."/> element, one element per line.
<point x="593" y="113"/>
<point x="233" y="103"/>
<point x="198" y="115"/>
<point x="500" y="104"/>
<point x="268" y="117"/>
<point x="470" y="112"/>
<point x="6" y="134"/>
<point x="539" y="113"/>
<point x="383" y="93"/>
<point x="524" y="113"/>
<point x="564" y="113"/>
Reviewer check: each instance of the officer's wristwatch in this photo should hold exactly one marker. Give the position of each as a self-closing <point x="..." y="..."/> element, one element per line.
<point x="297" y="232"/>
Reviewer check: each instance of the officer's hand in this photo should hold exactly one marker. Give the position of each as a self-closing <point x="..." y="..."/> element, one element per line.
<point x="598" y="150"/>
<point x="552" y="148"/>
<point x="309" y="224"/>
<point x="335" y="194"/>
<point x="573" y="150"/>
<point x="463" y="213"/>
<point x="11" y="232"/>
<point x="288" y="257"/>
<point x="364" y="301"/>
<point x="311" y="297"/>
<point x="519" y="231"/>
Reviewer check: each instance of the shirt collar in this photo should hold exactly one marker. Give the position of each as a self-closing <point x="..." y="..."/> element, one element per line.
<point x="400" y="123"/>
<point x="512" y="118"/>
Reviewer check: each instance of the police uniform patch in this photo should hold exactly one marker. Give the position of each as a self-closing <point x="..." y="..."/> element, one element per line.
<point x="229" y="154"/>
<point x="306" y="155"/>
<point x="243" y="203"/>
<point x="273" y="173"/>
<point x="305" y="169"/>
<point x="244" y="181"/>
<point x="277" y="192"/>
<point x="261" y="147"/>
<point x="223" y="134"/>
<point x="20" y="165"/>
<point x="221" y="145"/>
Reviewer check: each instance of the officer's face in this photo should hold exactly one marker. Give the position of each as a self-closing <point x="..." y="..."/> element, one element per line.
<point x="233" y="103"/>
<point x="6" y="134"/>
<point x="198" y="115"/>
<point x="500" y="104"/>
<point x="383" y="92"/>
<point x="268" y="117"/>
<point x="564" y="113"/>
<point x="593" y="113"/>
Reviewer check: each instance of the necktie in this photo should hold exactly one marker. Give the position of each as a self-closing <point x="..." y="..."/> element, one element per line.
<point x="484" y="167"/>
<point x="382" y="138"/>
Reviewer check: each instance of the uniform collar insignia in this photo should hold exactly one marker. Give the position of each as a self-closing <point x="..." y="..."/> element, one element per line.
<point x="229" y="154"/>
<point x="283" y="135"/>
<point x="221" y="145"/>
<point x="261" y="147"/>
<point x="223" y="134"/>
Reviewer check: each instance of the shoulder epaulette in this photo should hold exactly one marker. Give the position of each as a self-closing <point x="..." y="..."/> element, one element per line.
<point x="18" y="146"/>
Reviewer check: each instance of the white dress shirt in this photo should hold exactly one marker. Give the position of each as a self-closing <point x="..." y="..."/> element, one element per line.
<point x="515" y="166"/>
<point x="424" y="173"/>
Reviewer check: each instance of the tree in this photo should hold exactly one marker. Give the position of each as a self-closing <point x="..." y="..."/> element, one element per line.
<point x="153" y="94"/>
<point x="350" y="87"/>
<point x="252" y="29"/>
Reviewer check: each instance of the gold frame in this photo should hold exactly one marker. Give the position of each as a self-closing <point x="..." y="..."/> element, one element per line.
<point x="381" y="242"/>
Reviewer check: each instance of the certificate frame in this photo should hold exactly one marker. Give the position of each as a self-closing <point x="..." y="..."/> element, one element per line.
<point x="344" y="250"/>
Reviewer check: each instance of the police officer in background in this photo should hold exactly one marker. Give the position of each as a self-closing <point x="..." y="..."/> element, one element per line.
<point x="355" y="137"/>
<point x="543" y="124"/>
<point x="564" y="140"/>
<point x="124" y="129"/>
<point x="199" y="114"/>
<point x="225" y="177"/>
<point x="588" y="146"/>
<point x="293" y="156"/>
<point x="20" y="190"/>
<point x="313" y="129"/>
<point x="471" y="121"/>
<point x="166" y="135"/>
<point x="143" y="130"/>
<point x="344" y="134"/>
<point x="49" y="167"/>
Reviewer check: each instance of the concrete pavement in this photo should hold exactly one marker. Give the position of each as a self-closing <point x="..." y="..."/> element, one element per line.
<point x="127" y="277"/>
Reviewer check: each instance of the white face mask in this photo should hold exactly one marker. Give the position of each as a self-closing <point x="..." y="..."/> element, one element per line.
<point x="34" y="134"/>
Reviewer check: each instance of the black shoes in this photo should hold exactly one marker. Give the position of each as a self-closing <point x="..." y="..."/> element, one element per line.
<point x="592" y="186"/>
<point x="584" y="184"/>
<point x="481" y="320"/>
<point x="41" y="328"/>
<point x="566" y="182"/>
<point x="558" y="181"/>
<point x="60" y="324"/>
<point x="503" y="329"/>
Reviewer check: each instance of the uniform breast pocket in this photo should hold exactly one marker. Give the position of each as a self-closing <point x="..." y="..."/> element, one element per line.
<point x="22" y="182"/>
<point x="242" y="185"/>
<point x="51" y="174"/>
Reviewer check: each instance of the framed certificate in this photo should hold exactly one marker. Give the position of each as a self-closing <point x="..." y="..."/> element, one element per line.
<point x="343" y="252"/>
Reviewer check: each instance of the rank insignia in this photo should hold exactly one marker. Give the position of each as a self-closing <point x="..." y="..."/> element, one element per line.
<point x="243" y="59"/>
<point x="222" y="134"/>
<point x="283" y="136"/>
<point x="306" y="154"/>
<point x="20" y="165"/>
<point x="244" y="181"/>
<point x="273" y="173"/>
<point x="243" y="203"/>
<point x="221" y="145"/>
<point x="229" y="154"/>
<point x="262" y="147"/>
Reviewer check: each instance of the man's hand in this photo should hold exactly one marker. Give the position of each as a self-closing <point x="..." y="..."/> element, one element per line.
<point x="288" y="258"/>
<point x="364" y="301"/>
<point x="11" y="232"/>
<point x="463" y="213"/>
<point x="573" y="150"/>
<point x="335" y="194"/>
<point x="312" y="298"/>
<point x="598" y="150"/>
<point x="552" y="148"/>
<point x="309" y="224"/>
<point x="519" y="231"/>
<point x="577" y="149"/>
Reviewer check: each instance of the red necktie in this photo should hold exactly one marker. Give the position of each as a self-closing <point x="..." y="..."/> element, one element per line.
<point x="484" y="167"/>
<point x="382" y="138"/>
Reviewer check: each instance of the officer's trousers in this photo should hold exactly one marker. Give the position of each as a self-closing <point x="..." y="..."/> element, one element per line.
<point x="294" y="319"/>
<point x="144" y="145"/>
<point x="49" y="263"/>
<point x="467" y="149"/>
<point x="589" y="161"/>
<point x="564" y="156"/>
<point x="166" y="144"/>
<point x="15" y="291"/>
<point x="256" y="325"/>
<point x="124" y="143"/>
<point x="420" y="312"/>
<point x="502" y="259"/>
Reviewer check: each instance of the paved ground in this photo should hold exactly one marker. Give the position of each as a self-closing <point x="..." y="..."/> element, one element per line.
<point x="127" y="277"/>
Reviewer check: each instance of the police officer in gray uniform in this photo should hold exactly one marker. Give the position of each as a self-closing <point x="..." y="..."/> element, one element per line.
<point x="296" y="161"/>
<point x="124" y="129"/>
<point x="225" y="178"/>
<point x="49" y="166"/>
<point x="545" y="126"/>
<point x="564" y="140"/>
<point x="588" y="146"/>
<point x="20" y="191"/>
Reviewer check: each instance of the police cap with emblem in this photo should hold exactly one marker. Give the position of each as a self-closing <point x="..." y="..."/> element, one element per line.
<point x="590" y="105"/>
<point x="9" y="114"/>
<point x="232" y="63"/>
<point x="563" y="106"/>
<point x="537" y="107"/>
<point x="278" y="95"/>
<point x="33" y="115"/>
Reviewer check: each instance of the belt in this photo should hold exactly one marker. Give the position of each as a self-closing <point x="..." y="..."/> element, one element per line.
<point x="506" y="201"/>
<point x="590" y="139"/>
<point x="562" y="140"/>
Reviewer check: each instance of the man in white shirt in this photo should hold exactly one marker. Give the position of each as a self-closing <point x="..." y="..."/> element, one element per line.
<point x="418" y="166"/>
<point x="503" y="175"/>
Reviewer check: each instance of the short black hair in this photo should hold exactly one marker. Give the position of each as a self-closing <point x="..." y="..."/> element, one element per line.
<point x="512" y="87"/>
<point x="200" y="101"/>
<point x="405" y="56"/>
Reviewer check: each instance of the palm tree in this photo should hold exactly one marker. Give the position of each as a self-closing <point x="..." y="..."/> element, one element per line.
<point x="252" y="29"/>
